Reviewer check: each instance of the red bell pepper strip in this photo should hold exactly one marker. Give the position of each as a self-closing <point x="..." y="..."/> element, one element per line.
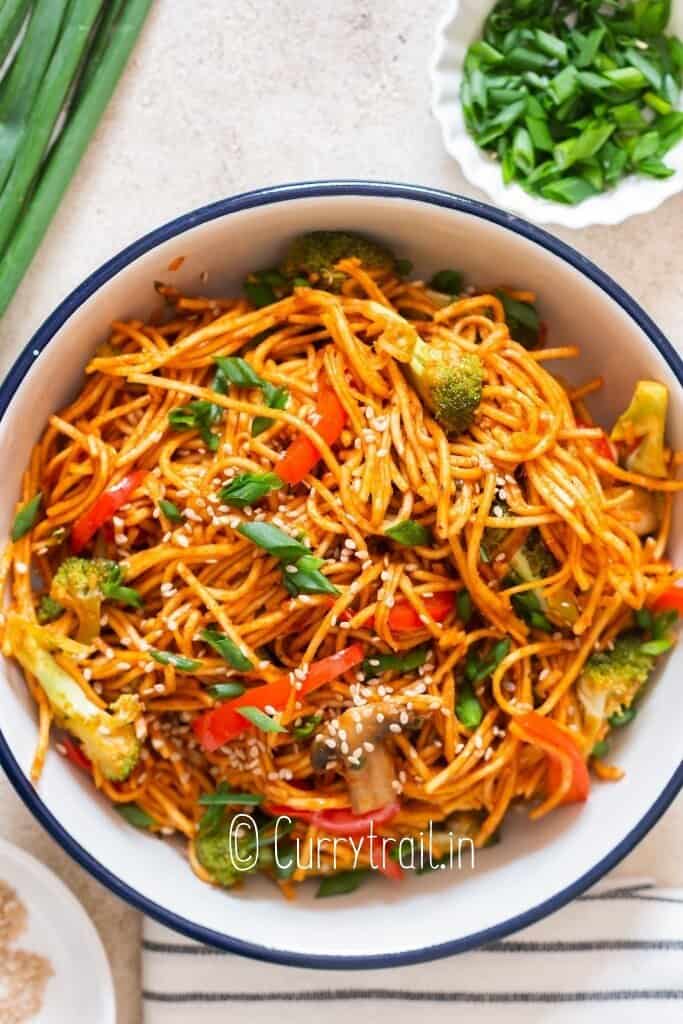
<point x="670" y="601"/>
<point x="224" y="723"/>
<point x="548" y="732"/>
<point x="403" y="618"/>
<point x="104" y="508"/>
<point x="73" y="753"/>
<point x="302" y="455"/>
<point x="346" y="824"/>
<point x="339" y="822"/>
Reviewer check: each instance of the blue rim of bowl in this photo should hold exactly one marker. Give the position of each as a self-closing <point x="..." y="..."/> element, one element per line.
<point x="235" y="204"/>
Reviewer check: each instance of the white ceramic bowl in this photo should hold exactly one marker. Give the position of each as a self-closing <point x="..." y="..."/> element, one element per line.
<point x="462" y="23"/>
<point x="537" y="867"/>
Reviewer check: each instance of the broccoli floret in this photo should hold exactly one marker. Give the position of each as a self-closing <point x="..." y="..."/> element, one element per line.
<point x="534" y="561"/>
<point x="449" y="383"/>
<point x="108" y="738"/>
<point x="228" y="859"/>
<point x="643" y="424"/>
<point x="49" y="609"/>
<point x="315" y="254"/>
<point x="611" y="679"/>
<point x="82" y="584"/>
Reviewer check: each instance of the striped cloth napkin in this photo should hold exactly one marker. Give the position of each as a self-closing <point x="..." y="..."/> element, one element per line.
<point x="613" y="956"/>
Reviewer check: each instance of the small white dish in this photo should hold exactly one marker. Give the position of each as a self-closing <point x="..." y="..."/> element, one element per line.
<point x="462" y="25"/>
<point x="57" y="928"/>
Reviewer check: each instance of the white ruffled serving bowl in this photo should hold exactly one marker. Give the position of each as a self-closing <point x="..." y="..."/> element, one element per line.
<point x="462" y="25"/>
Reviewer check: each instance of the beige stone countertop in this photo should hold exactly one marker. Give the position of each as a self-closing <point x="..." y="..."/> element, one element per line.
<point x="221" y="97"/>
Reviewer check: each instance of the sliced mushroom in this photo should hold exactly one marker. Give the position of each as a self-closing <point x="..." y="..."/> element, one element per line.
<point x="357" y="743"/>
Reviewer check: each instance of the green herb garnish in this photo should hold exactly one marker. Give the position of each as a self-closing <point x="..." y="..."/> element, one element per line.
<point x="226" y="691"/>
<point x="450" y="282"/>
<point x="300" y="568"/>
<point x="224" y="797"/>
<point x="27" y="517"/>
<point x="227" y="648"/>
<point x="571" y="97"/>
<point x="340" y="884"/>
<point x="179" y="661"/>
<point x="410" y="534"/>
<point x="407" y="661"/>
<point x="307" y="727"/>
<point x="248" y="488"/>
<point x="171" y="511"/>
<point x="113" y="590"/>
<point x="463" y="605"/>
<point x="135" y="815"/>
<point x="468" y="708"/>
<point x="260" y="719"/>
<point x="201" y="416"/>
<point x="478" y="669"/>
<point x="237" y="371"/>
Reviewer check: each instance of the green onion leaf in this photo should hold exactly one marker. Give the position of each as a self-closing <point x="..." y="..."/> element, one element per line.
<point x="307" y="727"/>
<point x="260" y="719"/>
<point x="135" y="815"/>
<point x="226" y="691"/>
<point x="237" y="371"/>
<point x="306" y="579"/>
<point x="340" y="884"/>
<point x="201" y="416"/>
<point x="274" y="540"/>
<point x="622" y="717"/>
<point x="406" y="661"/>
<point x="26" y="517"/>
<point x="522" y="319"/>
<point x="583" y="146"/>
<point x="410" y="533"/>
<point x="468" y="708"/>
<point x="450" y="282"/>
<point x="248" y="488"/>
<point x="227" y="648"/>
<point x="114" y="591"/>
<point x="568" y="190"/>
<point x="601" y="749"/>
<point x="171" y="511"/>
<point x="224" y="797"/>
<point x="463" y="604"/>
<point x="178" y="661"/>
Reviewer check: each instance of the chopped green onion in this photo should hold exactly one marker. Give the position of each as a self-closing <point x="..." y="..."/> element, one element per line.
<point x="135" y="815"/>
<point x="340" y="884"/>
<point x="171" y="511"/>
<point x="463" y="604"/>
<point x="27" y="517"/>
<point x="601" y="749"/>
<point x="623" y="717"/>
<point x="274" y="540"/>
<point x="450" y="282"/>
<point x="307" y="727"/>
<point x="224" y="797"/>
<point x="248" y="488"/>
<point x="179" y="661"/>
<point x="260" y="719"/>
<point x="201" y="416"/>
<point x="468" y="708"/>
<point x="227" y="648"/>
<point x="410" y="533"/>
<point x="114" y="591"/>
<point x="226" y="691"/>
<point x="406" y="661"/>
